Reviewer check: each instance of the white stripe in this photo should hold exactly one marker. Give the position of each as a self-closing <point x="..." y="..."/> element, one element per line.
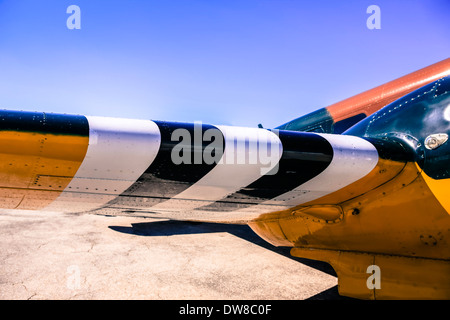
<point x="353" y="158"/>
<point x="249" y="154"/>
<point x="119" y="151"/>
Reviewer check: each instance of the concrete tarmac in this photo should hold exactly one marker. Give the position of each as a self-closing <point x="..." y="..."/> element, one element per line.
<point x="64" y="256"/>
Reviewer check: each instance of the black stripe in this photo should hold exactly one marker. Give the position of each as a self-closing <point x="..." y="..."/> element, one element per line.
<point x="304" y="156"/>
<point x="164" y="179"/>
<point x="47" y="123"/>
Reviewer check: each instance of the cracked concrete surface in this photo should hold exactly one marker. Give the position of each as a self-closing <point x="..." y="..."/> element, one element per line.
<point x="62" y="256"/>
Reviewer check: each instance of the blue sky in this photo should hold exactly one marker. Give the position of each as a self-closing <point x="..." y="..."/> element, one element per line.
<point x="216" y="61"/>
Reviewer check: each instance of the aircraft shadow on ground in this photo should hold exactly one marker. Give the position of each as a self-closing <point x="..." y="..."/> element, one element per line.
<point x="172" y="227"/>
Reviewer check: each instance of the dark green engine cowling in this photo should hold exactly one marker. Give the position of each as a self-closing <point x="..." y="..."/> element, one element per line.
<point x="420" y="121"/>
<point x="322" y="122"/>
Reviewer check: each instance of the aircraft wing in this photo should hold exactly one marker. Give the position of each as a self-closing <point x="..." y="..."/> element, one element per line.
<point x="365" y="189"/>
<point x="174" y="170"/>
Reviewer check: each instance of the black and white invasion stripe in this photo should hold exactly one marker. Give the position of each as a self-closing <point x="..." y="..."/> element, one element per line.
<point x="129" y="166"/>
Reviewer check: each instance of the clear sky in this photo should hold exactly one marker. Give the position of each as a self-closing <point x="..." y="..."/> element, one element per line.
<point x="218" y="61"/>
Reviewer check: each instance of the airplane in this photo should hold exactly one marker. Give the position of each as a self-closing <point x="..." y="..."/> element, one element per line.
<point x="361" y="184"/>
